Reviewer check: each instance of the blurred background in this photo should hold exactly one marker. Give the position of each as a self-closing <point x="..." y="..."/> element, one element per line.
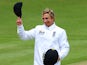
<point x="69" y="14"/>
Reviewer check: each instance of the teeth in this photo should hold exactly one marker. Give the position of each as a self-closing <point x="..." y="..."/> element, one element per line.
<point x="45" y="21"/>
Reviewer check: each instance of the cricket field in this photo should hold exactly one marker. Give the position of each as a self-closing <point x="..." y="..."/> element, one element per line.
<point x="69" y="14"/>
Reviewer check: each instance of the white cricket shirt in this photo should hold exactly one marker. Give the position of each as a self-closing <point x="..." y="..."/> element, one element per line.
<point x="52" y="37"/>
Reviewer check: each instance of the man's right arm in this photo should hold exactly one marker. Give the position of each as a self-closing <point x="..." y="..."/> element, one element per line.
<point x="24" y="35"/>
<point x="20" y="28"/>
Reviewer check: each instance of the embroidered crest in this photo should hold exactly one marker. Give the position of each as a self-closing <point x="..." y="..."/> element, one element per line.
<point x="41" y="32"/>
<point x="54" y="33"/>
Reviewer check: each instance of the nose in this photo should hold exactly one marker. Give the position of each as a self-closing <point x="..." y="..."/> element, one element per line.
<point x="45" y="20"/>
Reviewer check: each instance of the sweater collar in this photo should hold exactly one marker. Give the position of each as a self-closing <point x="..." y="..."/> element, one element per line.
<point x="50" y="27"/>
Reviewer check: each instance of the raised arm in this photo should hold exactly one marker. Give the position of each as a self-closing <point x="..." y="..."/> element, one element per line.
<point x="24" y="35"/>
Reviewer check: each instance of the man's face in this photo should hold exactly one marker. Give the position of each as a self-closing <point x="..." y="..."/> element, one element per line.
<point x="47" y="19"/>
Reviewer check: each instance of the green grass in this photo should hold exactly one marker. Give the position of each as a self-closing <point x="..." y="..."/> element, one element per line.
<point x="70" y="15"/>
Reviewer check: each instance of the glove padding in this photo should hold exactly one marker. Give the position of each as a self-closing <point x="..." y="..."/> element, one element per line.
<point x="50" y="57"/>
<point x="17" y="9"/>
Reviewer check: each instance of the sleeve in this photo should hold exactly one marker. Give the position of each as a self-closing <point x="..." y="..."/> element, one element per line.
<point x="64" y="45"/>
<point x="25" y="35"/>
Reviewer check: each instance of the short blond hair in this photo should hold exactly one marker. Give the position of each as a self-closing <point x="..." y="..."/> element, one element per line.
<point x="48" y="11"/>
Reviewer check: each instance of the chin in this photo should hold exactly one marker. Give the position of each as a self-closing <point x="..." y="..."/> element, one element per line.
<point x="46" y="25"/>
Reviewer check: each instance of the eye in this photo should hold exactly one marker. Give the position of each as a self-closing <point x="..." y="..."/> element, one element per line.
<point x="46" y="18"/>
<point x="43" y="18"/>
